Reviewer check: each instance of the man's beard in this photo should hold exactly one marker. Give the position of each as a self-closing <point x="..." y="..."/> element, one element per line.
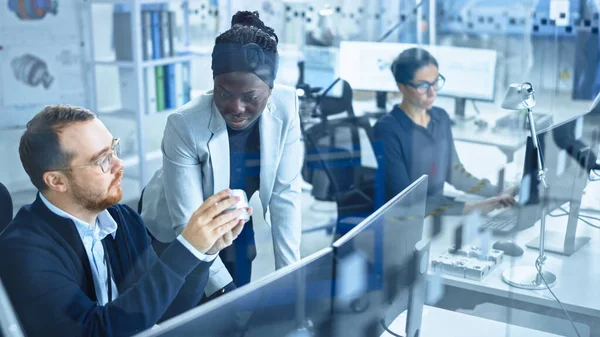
<point x="97" y="202"/>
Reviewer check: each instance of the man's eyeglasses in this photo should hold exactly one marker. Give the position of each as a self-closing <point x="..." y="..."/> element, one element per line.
<point x="424" y="87"/>
<point x="106" y="161"/>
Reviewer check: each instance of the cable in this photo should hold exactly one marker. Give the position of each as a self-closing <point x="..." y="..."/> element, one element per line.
<point x="589" y="223"/>
<point x="589" y="217"/>
<point x="388" y="330"/>
<point x="538" y="266"/>
<point x="475" y="107"/>
<point x="581" y="216"/>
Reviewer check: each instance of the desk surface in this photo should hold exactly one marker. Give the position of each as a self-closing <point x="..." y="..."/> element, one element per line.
<point x="440" y="322"/>
<point x="577" y="275"/>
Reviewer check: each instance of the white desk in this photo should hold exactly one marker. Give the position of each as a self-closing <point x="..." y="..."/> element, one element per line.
<point x="439" y="322"/>
<point x="578" y="275"/>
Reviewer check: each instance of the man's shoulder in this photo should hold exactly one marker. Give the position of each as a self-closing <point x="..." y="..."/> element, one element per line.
<point x="26" y="229"/>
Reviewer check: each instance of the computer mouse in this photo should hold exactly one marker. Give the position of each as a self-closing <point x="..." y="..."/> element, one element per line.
<point x="509" y="248"/>
<point x="482" y="124"/>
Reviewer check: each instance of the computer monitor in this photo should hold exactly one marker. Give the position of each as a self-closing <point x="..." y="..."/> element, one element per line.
<point x="566" y="176"/>
<point x="293" y="299"/>
<point x="470" y="73"/>
<point x="375" y="267"/>
<point x="318" y="69"/>
<point x="9" y="324"/>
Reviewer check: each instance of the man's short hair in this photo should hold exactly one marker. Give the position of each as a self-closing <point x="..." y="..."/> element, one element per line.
<point x="40" y="149"/>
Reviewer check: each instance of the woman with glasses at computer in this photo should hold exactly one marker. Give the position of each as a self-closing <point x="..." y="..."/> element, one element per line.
<point x="416" y="139"/>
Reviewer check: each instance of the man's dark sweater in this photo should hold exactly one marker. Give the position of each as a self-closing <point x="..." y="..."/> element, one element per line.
<point x="45" y="269"/>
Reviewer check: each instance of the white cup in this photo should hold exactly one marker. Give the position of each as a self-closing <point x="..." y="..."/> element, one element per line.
<point x="241" y="204"/>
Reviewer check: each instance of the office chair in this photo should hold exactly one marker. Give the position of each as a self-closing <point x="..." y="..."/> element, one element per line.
<point x="6" y="208"/>
<point x="333" y="166"/>
<point x="330" y="106"/>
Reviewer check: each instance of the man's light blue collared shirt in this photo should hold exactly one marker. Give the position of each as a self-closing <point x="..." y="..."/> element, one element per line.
<point x="92" y="236"/>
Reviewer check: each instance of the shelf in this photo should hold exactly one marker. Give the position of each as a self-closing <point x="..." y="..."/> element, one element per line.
<point x="149" y="63"/>
<point x="122" y="64"/>
<point x="167" y="60"/>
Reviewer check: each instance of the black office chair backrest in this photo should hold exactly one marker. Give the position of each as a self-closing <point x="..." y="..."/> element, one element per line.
<point x="330" y="105"/>
<point x="6" y="207"/>
<point x="333" y="157"/>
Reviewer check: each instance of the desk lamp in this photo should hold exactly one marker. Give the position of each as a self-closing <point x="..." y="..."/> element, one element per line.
<point x="520" y="97"/>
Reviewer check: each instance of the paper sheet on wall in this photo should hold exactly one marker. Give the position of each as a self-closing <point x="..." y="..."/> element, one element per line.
<point x="42" y="58"/>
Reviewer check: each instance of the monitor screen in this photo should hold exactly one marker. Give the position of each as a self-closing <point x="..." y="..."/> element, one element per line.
<point x="470" y="73"/>
<point x="565" y="158"/>
<point x="374" y="265"/>
<point x="294" y="298"/>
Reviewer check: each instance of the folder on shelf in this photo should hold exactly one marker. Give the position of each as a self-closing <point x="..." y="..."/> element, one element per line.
<point x="171" y="25"/>
<point x="178" y="85"/>
<point x="150" y="86"/>
<point x="122" y="36"/>
<point x="187" y="90"/>
<point x="146" y="35"/>
<point x="155" y="23"/>
<point x="160" y="88"/>
<point x="165" y="45"/>
<point x="170" y="94"/>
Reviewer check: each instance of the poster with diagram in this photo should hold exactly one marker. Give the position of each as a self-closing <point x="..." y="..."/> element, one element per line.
<point x="42" y="57"/>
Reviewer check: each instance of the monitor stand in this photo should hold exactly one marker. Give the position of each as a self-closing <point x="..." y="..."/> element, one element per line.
<point x="568" y="244"/>
<point x="459" y="111"/>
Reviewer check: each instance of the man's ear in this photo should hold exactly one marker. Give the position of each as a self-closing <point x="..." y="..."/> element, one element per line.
<point x="56" y="181"/>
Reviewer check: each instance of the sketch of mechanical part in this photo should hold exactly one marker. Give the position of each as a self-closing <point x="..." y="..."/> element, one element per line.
<point x="33" y="9"/>
<point x="31" y="71"/>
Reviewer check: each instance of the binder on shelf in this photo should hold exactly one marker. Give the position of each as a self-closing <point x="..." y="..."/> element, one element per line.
<point x="170" y="94"/>
<point x="146" y="35"/>
<point x="172" y="23"/>
<point x="121" y="36"/>
<point x="155" y="24"/>
<point x="128" y="89"/>
<point x="165" y="45"/>
<point x="150" y="86"/>
<point x="160" y="88"/>
<point x="178" y="85"/>
<point x="187" y="90"/>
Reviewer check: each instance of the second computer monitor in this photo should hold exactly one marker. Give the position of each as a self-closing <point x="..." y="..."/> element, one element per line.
<point x="375" y="265"/>
<point x="565" y="158"/>
<point x="294" y="299"/>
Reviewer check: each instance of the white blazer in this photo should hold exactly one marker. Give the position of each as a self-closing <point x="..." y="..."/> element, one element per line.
<point x="195" y="149"/>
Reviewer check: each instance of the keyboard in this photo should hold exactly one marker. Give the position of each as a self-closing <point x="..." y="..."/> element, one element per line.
<point x="503" y="222"/>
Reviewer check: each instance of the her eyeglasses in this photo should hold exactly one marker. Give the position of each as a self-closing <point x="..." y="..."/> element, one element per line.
<point x="424" y="87"/>
<point x="106" y="161"/>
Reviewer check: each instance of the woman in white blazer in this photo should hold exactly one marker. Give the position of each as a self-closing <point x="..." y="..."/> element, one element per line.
<point x="245" y="134"/>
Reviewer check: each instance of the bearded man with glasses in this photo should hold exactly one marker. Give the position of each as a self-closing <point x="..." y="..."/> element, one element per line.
<point x="77" y="263"/>
<point x="416" y="139"/>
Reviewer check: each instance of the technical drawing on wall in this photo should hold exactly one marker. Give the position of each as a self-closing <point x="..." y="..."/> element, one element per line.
<point x="33" y="9"/>
<point x="32" y="71"/>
